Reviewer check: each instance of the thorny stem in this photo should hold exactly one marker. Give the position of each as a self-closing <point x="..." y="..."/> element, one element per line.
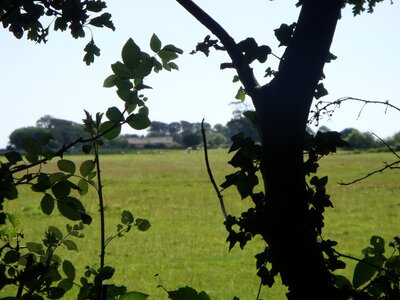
<point x="210" y="175"/>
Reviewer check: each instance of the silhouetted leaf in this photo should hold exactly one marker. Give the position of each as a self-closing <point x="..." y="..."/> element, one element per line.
<point x="142" y="224"/>
<point x="47" y="204"/>
<point x="122" y="71"/>
<point x="61" y="189"/>
<point x="134" y="296"/>
<point x="71" y="245"/>
<point x="186" y="293"/>
<point x="86" y="167"/>
<point x="126" y="217"/>
<point x="57" y="232"/>
<point x="109" y="81"/>
<point x="83" y="187"/>
<point x="69" y="269"/>
<point x="13" y="156"/>
<point x="138" y="121"/>
<point x="11" y="257"/>
<point x="35" y="247"/>
<point x="66" y="166"/>
<point x="112" y="130"/>
<point x="131" y="54"/>
<point x="155" y="43"/>
<point x="66" y="284"/>
<point x="364" y="272"/>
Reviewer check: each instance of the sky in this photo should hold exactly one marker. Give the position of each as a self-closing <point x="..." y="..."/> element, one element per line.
<point x="51" y="79"/>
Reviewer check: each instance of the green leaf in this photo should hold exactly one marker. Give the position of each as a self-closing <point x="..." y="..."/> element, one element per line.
<point x="142" y="224"/>
<point x="364" y="272"/>
<point x="109" y="81"/>
<point x="342" y="282"/>
<point x="91" y="51"/>
<point x="57" y="232"/>
<point x="111" y="129"/>
<point x="138" y="121"/>
<point x="35" y="247"/>
<point x="172" y="48"/>
<point x="66" y="284"/>
<point x="71" y="245"/>
<point x="122" y="71"/>
<point x="126" y="217"/>
<point x="13" y="156"/>
<point x="187" y="292"/>
<point x="155" y="43"/>
<point x="47" y="204"/>
<point x="103" y="21"/>
<point x="114" y="114"/>
<point x="131" y="54"/>
<point x="166" y="55"/>
<point x="241" y="94"/>
<point x="70" y="208"/>
<point x="11" y="257"/>
<point x="134" y="296"/>
<point x="145" y="66"/>
<point x="86" y="167"/>
<point x="69" y="269"/>
<point x="31" y="146"/>
<point x="67" y="166"/>
<point x="83" y="187"/>
<point x="173" y="65"/>
<point x="61" y="189"/>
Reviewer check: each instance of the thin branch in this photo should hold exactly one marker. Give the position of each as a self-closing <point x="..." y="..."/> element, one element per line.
<point x="210" y="175"/>
<point x="387" y="146"/>
<point x="244" y="71"/>
<point x="328" y="108"/>
<point x="392" y="165"/>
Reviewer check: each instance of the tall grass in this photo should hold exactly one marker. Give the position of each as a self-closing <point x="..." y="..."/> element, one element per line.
<point x="186" y="243"/>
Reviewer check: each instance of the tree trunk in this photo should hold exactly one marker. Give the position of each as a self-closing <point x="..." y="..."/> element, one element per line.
<point x="282" y="111"/>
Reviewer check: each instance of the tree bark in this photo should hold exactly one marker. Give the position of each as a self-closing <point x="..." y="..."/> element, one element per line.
<point x="282" y="112"/>
<point x="282" y="109"/>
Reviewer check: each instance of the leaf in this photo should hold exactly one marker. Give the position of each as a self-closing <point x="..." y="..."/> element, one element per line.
<point x="142" y="224"/>
<point x="126" y="217"/>
<point x="109" y="81"/>
<point x="167" y="55"/>
<point x="61" y="189"/>
<point x="284" y="33"/>
<point x="187" y="293"/>
<point x="35" y="247"/>
<point x="114" y="114"/>
<point x="122" y="71"/>
<point x="47" y="204"/>
<point x="172" y="48"/>
<point x="83" y="187"/>
<point x="31" y="146"/>
<point x="131" y="54"/>
<point x="155" y="43"/>
<point x="67" y="166"/>
<point x="69" y="269"/>
<point x="111" y="129"/>
<point x="320" y="91"/>
<point x="66" y="284"/>
<point x="342" y="282"/>
<point x="103" y="21"/>
<point x="91" y="51"/>
<point x="13" y="156"/>
<point x="57" y="232"/>
<point x="86" y="167"/>
<point x="364" y="272"/>
<point x="70" y="208"/>
<point x="241" y="94"/>
<point x="138" y="121"/>
<point x="71" y="245"/>
<point x="134" y="296"/>
<point x="11" y="257"/>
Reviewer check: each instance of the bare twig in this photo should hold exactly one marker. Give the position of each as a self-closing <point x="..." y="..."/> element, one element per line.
<point x="210" y="175"/>
<point x="392" y="165"/>
<point x="387" y="146"/>
<point x="328" y="108"/>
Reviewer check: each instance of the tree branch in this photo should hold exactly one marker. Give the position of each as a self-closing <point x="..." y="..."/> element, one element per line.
<point x="244" y="71"/>
<point x="210" y="175"/>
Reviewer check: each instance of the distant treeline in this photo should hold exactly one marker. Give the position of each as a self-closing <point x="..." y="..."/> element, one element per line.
<point x="184" y="134"/>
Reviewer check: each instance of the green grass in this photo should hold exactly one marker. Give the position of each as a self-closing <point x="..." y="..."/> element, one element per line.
<point x="186" y="243"/>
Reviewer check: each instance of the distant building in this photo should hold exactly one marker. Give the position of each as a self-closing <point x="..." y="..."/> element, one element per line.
<point x="140" y="142"/>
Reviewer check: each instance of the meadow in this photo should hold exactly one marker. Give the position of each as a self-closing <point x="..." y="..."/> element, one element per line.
<point x="186" y="243"/>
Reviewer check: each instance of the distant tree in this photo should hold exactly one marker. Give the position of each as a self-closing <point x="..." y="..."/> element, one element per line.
<point x="158" y="129"/>
<point x="191" y="139"/>
<point x="361" y="140"/>
<point x="347" y="131"/>
<point x="62" y="132"/>
<point x="241" y="124"/>
<point x="174" y="128"/>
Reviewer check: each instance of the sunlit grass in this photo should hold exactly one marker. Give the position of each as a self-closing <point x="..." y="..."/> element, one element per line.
<point x="186" y="243"/>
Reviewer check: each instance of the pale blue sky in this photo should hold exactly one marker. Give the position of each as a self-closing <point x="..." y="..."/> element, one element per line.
<point x="52" y="79"/>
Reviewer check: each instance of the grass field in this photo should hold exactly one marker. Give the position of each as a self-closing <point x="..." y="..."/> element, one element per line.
<point x="186" y="243"/>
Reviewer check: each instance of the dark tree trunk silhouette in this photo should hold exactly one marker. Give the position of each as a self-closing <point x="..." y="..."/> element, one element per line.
<point x="282" y="109"/>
